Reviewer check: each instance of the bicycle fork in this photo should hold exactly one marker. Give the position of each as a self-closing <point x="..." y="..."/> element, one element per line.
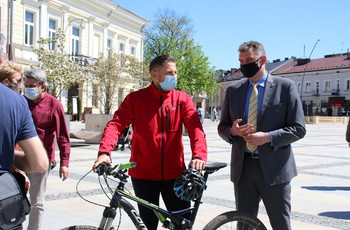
<point x="108" y="216"/>
<point x="110" y="213"/>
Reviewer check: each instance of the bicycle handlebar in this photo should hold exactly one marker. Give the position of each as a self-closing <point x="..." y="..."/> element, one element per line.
<point x="117" y="171"/>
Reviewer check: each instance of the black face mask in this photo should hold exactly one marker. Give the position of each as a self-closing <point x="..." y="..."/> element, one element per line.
<point x="250" y="69"/>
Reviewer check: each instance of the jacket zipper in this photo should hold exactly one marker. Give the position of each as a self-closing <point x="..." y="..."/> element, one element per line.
<point x="163" y="141"/>
<point x="168" y="120"/>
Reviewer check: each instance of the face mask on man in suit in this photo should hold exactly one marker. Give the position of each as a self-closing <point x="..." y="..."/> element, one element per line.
<point x="250" y="69"/>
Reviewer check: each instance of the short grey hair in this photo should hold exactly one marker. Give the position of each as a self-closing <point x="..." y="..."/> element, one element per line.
<point x="2" y="44"/>
<point x="37" y="74"/>
<point x="257" y="47"/>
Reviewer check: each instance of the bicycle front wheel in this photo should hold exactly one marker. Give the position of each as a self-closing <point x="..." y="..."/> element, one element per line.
<point x="80" y="227"/>
<point x="235" y="220"/>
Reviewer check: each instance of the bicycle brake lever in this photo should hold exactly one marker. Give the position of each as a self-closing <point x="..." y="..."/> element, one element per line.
<point x="102" y="168"/>
<point x="113" y="171"/>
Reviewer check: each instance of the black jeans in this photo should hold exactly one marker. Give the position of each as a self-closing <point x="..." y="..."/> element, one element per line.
<point x="150" y="190"/>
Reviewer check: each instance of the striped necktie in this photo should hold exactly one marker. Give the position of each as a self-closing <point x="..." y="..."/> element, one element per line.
<point x="253" y="112"/>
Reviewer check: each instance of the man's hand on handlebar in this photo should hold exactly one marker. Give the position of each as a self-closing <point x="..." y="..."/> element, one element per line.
<point x="197" y="164"/>
<point x="100" y="159"/>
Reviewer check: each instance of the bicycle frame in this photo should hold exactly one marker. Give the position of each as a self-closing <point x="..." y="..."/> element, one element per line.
<point x="170" y="220"/>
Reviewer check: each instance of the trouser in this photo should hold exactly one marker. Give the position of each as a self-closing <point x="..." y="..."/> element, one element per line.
<point x="150" y="190"/>
<point x="36" y="196"/>
<point x="251" y="188"/>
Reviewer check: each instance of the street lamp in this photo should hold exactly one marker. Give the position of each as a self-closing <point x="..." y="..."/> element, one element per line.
<point x="75" y="47"/>
<point x="10" y="30"/>
<point x="302" y="79"/>
<point x="73" y="20"/>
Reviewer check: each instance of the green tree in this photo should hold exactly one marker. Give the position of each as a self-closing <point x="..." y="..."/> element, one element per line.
<point x="62" y="72"/>
<point x="113" y="73"/>
<point x="172" y="34"/>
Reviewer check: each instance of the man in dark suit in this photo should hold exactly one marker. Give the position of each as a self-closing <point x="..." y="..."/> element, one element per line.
<point x="262" y="160"/>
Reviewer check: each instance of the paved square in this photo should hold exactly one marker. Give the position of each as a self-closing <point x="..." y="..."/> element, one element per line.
<point x="320" y="193"/>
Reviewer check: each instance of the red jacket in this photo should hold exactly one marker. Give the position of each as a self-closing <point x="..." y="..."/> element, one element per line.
<point x="157" y="119"/>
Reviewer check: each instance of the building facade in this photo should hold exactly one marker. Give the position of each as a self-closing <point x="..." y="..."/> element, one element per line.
<point x="323" y="84"/>
<point x="91" y="27"/>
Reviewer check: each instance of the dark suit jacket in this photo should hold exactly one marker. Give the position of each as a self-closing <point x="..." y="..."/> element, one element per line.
<point x="281" y="115"/>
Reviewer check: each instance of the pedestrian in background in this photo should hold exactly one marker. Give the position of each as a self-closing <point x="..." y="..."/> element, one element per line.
<point x="157" y="114"/>
<point x="49" y="120"/>
<point x="200" y="114"/>
<point x="261" y="116"/>
<point x="214" y="114"/>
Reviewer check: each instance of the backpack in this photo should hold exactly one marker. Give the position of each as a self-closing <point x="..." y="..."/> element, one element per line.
<point x="14" y="205"/>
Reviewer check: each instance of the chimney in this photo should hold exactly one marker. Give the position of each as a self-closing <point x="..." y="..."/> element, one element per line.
<point x="303" y="61"/>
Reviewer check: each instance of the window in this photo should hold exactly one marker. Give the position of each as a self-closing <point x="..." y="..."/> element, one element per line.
<point x="52" y="33"/>
<point x="347" y="84"/>
<point x="299" y="87"/>
<point x="132" y="51"/>
<point x="327" y="86"/>
<point x="29" y="28"/>
<point x="317" y="89"/>
<point x="308" y="87"/>
<point x="338" y="86"/>
<point x="122" y="48"/>
<point x="75" y="41"/>
<point x="109" y="47"/>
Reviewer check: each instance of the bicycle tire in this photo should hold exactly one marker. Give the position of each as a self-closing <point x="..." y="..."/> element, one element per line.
<point x="80" y="227"/>
<point x="229" y="220"/>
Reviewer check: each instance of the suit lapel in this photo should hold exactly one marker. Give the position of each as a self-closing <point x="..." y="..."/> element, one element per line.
<point x="241" y="104"/>
<point x="269" y="87"/>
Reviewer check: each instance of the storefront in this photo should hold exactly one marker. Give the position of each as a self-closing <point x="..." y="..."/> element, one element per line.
<point x="336" y="106"/>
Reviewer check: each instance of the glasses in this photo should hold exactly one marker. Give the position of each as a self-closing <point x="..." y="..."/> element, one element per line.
<point x="16" y="82"/>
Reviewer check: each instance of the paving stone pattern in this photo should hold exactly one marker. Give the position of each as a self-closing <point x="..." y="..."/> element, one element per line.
<point x="320" y="193"/>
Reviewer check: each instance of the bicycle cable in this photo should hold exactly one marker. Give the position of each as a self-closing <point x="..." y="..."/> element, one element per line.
<point x="82" y="197"/>
<point x="104" y="191"/>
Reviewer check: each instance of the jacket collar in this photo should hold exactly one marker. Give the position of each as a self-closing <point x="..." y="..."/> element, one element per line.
<point x="156" y="93"/>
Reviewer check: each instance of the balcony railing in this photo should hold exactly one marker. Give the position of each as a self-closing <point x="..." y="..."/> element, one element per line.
<point x="316" y="93"/>
<point x="335" y="91"/>
<point x="83" y="60"/>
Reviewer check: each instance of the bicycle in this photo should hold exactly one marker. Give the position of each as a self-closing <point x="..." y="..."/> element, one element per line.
<point x="169" y="219"/>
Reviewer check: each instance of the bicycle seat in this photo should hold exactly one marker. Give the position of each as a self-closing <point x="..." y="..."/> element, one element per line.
<point x="214" y="166"/>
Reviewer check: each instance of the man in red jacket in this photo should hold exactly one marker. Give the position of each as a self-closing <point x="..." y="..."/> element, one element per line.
<point x="156" y="114"/>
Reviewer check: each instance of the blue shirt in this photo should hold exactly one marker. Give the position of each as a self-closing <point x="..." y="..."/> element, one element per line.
<point x="261" y="89"/>
<point x="16" y="124"/>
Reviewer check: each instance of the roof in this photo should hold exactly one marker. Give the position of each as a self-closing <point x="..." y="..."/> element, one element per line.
<point x="328" y="63"/>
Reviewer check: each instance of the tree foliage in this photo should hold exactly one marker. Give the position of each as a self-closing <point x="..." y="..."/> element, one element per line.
<point x="172" y="34"/>
<point x="113" y="73"/>
<point x="61" y="71"/>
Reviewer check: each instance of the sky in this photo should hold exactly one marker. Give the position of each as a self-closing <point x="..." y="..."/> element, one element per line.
<point x="286" y="28"/>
